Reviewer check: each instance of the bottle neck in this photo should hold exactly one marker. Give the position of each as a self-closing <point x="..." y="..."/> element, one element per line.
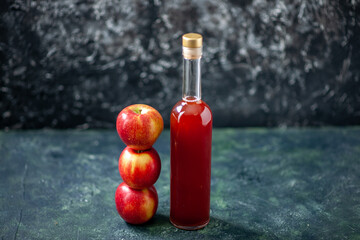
<point x="191" y="80"/>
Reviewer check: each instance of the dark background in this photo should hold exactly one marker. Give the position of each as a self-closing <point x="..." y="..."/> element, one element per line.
<point x="76" y="64"/>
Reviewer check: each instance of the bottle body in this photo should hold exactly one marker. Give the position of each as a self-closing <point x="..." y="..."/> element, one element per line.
<point x="191" y="136"/>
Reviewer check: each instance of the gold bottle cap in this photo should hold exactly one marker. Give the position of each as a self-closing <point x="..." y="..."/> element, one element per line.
<point x="192" y="40"/>
<point x="192" y="45"/>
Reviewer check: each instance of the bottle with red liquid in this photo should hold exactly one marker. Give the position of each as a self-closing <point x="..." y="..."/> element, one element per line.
<point x="190" y="133"/>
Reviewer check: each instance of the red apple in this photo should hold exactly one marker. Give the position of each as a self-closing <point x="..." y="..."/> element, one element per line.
<point x="139" y="169"/>
<point x="136" y="206"/>
<point x="139" y="126"/>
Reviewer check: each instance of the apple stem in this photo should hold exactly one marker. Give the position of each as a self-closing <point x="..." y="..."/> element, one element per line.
<point x="140" y="111"/>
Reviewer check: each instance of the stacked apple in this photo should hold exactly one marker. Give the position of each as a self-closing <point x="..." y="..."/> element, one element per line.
<point x="136" y="199"/>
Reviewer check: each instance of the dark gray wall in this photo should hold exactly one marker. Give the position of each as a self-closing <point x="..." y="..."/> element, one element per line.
<point x="67" y="63"/>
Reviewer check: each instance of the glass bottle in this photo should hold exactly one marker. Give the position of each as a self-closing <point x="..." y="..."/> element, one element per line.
<point x="190" y="133"/>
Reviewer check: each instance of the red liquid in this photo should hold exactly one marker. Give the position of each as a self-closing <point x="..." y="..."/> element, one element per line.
<point x="191" y="131"/>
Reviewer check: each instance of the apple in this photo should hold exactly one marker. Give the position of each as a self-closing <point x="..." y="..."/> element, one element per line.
<point x="139" y="169"/>
<point x="136" y="206"/>
<point x="139" y="126"/>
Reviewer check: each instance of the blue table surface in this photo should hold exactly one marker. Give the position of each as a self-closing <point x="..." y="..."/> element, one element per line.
<point x="266" y="184"/>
